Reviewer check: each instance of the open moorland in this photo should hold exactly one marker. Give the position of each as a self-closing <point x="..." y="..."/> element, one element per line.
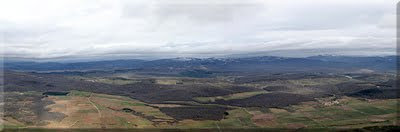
<point x="198" y="98"/>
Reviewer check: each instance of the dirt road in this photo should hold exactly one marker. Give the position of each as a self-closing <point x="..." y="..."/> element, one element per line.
<point x="98" y="111"/>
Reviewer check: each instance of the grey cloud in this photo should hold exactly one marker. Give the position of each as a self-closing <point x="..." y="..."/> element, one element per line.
<point x="199" y="29"/>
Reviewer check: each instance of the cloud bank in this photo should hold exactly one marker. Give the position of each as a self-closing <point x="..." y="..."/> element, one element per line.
<point x="46" y="29"/>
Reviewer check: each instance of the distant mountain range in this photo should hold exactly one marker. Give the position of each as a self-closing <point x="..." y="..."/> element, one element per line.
<point x="249" y="64"/>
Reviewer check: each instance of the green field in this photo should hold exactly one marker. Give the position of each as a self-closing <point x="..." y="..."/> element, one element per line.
<point x="350" y="113"/>
<point x="230" y="97"/>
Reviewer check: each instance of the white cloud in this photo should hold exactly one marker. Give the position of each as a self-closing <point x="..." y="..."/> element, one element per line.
<point x="156" y="28"/>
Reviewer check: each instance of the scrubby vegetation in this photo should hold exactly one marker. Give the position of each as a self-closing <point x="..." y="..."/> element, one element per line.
<point x="145" y="99"/>
<point x="29" y="108"/>
<point x="269" y="100"/>
<point x="196" y="112"/>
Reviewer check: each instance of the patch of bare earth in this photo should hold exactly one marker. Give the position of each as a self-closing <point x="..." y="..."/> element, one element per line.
<point x="75" y="117"/>
<point x="295" y="125"/>
<point x="264" y="120"/>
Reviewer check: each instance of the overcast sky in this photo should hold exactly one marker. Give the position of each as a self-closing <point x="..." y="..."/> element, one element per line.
<point x="46" y="29"/>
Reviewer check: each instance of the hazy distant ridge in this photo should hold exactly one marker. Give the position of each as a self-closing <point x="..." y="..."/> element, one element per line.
<point x="387" y="63"/>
